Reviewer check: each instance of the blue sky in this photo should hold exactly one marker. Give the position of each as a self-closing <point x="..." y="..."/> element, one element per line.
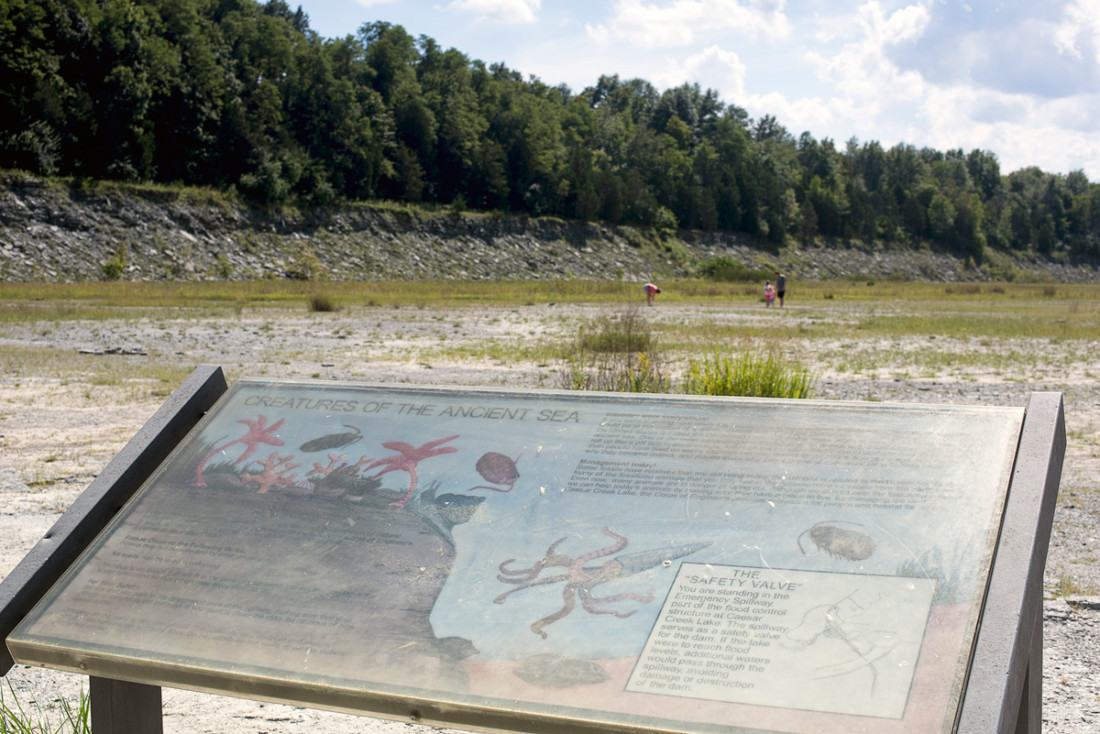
<point x="1020" y="78"/>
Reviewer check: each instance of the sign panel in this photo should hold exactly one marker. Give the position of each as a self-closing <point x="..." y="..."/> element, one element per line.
<point x="527" y="559"/>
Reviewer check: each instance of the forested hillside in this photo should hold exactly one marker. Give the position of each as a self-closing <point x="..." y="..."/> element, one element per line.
<point x="245" y="97"/>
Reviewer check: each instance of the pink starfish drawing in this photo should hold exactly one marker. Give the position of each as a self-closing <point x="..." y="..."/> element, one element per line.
<point x="258" y="432"/>
<point x="407" y="459"/>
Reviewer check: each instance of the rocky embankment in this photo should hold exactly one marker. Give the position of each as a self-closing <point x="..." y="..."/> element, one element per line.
<point x="52" y="233"/>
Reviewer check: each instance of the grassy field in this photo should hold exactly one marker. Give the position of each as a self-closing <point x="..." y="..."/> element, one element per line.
<point x="856" y="327"/>
<point x="958" y="309"/>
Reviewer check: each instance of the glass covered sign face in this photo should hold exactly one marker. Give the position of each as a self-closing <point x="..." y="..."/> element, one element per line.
<point x="526" y="560"/>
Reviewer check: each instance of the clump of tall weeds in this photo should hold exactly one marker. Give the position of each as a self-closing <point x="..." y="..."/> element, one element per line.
<point x="615" y="353"/>
<point x="620" y="353"/>
<point x="19" y="718"/>
<point x="752" y="373"/>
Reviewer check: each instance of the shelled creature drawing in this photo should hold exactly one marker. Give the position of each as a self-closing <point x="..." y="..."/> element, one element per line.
<point x="497" y="469"/>
<point x="839" y="542"/>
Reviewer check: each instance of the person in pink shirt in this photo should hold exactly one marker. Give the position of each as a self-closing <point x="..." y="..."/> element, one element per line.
<point x="651" y="292"/>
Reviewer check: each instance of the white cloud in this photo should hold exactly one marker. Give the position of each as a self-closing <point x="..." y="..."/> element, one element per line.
<point x="682" y="22"/>
<point x="862" y="74"/>
<point x="712" y="68"/>
<point x="1080" y="26"/>
<point x="1034" y="132"/>
<point x="506" y="12"/>
<point x="797" y="115"/>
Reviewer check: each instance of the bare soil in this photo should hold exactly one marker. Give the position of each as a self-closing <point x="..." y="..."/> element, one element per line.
<point x="72" y="394"/>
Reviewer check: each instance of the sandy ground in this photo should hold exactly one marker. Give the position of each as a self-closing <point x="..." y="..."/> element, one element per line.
<point x="72" y="394"/>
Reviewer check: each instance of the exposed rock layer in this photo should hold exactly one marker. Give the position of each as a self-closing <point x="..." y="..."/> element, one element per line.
<point x="48" y="233"/>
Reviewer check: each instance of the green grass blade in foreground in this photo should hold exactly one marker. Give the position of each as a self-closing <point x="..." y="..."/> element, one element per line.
<point x="15" y="718"/>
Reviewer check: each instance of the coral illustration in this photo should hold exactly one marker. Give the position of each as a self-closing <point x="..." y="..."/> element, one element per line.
<point x="324" y="471"/>
<point x="274" y="473"/>
<point x="407" y="458"/>
<point x="258" y="432"/>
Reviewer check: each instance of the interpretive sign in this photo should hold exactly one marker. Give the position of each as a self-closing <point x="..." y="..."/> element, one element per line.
<point x="526" y="560"/>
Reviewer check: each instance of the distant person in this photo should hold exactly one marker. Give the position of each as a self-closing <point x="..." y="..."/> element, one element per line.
<point x="780" y="286"/>
<point x="651" y="292"/>
<point x="769" y="294"/>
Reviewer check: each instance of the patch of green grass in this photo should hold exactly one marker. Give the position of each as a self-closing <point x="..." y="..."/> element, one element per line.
<point x="905" y="307"/>
<point x="1069" y="586"/>
<point x="750" y="373"/>
<point x="35" y="479"/>
<point x="18" y="717"/>
<point x="141" y="376"/>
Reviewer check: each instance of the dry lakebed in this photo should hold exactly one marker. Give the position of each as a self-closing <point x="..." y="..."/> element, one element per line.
<point x="73" y="392"/>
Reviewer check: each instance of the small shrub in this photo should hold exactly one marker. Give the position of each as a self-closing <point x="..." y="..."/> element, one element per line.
<point x="615" y="353"/>
<point x="116" y="266"/>
<point x="628" y="331"/>
<point x="306" y="265"/>
<point x="727" y="270"/>
<point x="113" y="268"/>
<point x="665" y="220"/>
<point x="321" y="303"/>
<point x="223" y="267"/>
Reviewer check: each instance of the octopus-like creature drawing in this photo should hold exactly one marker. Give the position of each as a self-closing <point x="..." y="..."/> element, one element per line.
<point x="580" y="580"/>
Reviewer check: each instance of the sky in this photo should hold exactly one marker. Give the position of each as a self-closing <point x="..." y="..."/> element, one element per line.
<point x="1019" y="78"/>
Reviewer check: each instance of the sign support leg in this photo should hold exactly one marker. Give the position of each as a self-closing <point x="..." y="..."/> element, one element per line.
<point x="1030" y="718"/>
<point x="120" y="707"/>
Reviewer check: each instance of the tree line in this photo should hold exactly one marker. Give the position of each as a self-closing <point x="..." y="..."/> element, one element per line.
<point x="244" y="96"/>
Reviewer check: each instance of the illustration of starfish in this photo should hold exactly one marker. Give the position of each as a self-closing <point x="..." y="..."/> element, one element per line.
<point x="274" y="473"/>
<point x="258" y="432"/>
<point x="406" y="460"/>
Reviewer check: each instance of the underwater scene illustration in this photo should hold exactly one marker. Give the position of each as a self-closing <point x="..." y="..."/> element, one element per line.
<point x="650" y="557"/>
